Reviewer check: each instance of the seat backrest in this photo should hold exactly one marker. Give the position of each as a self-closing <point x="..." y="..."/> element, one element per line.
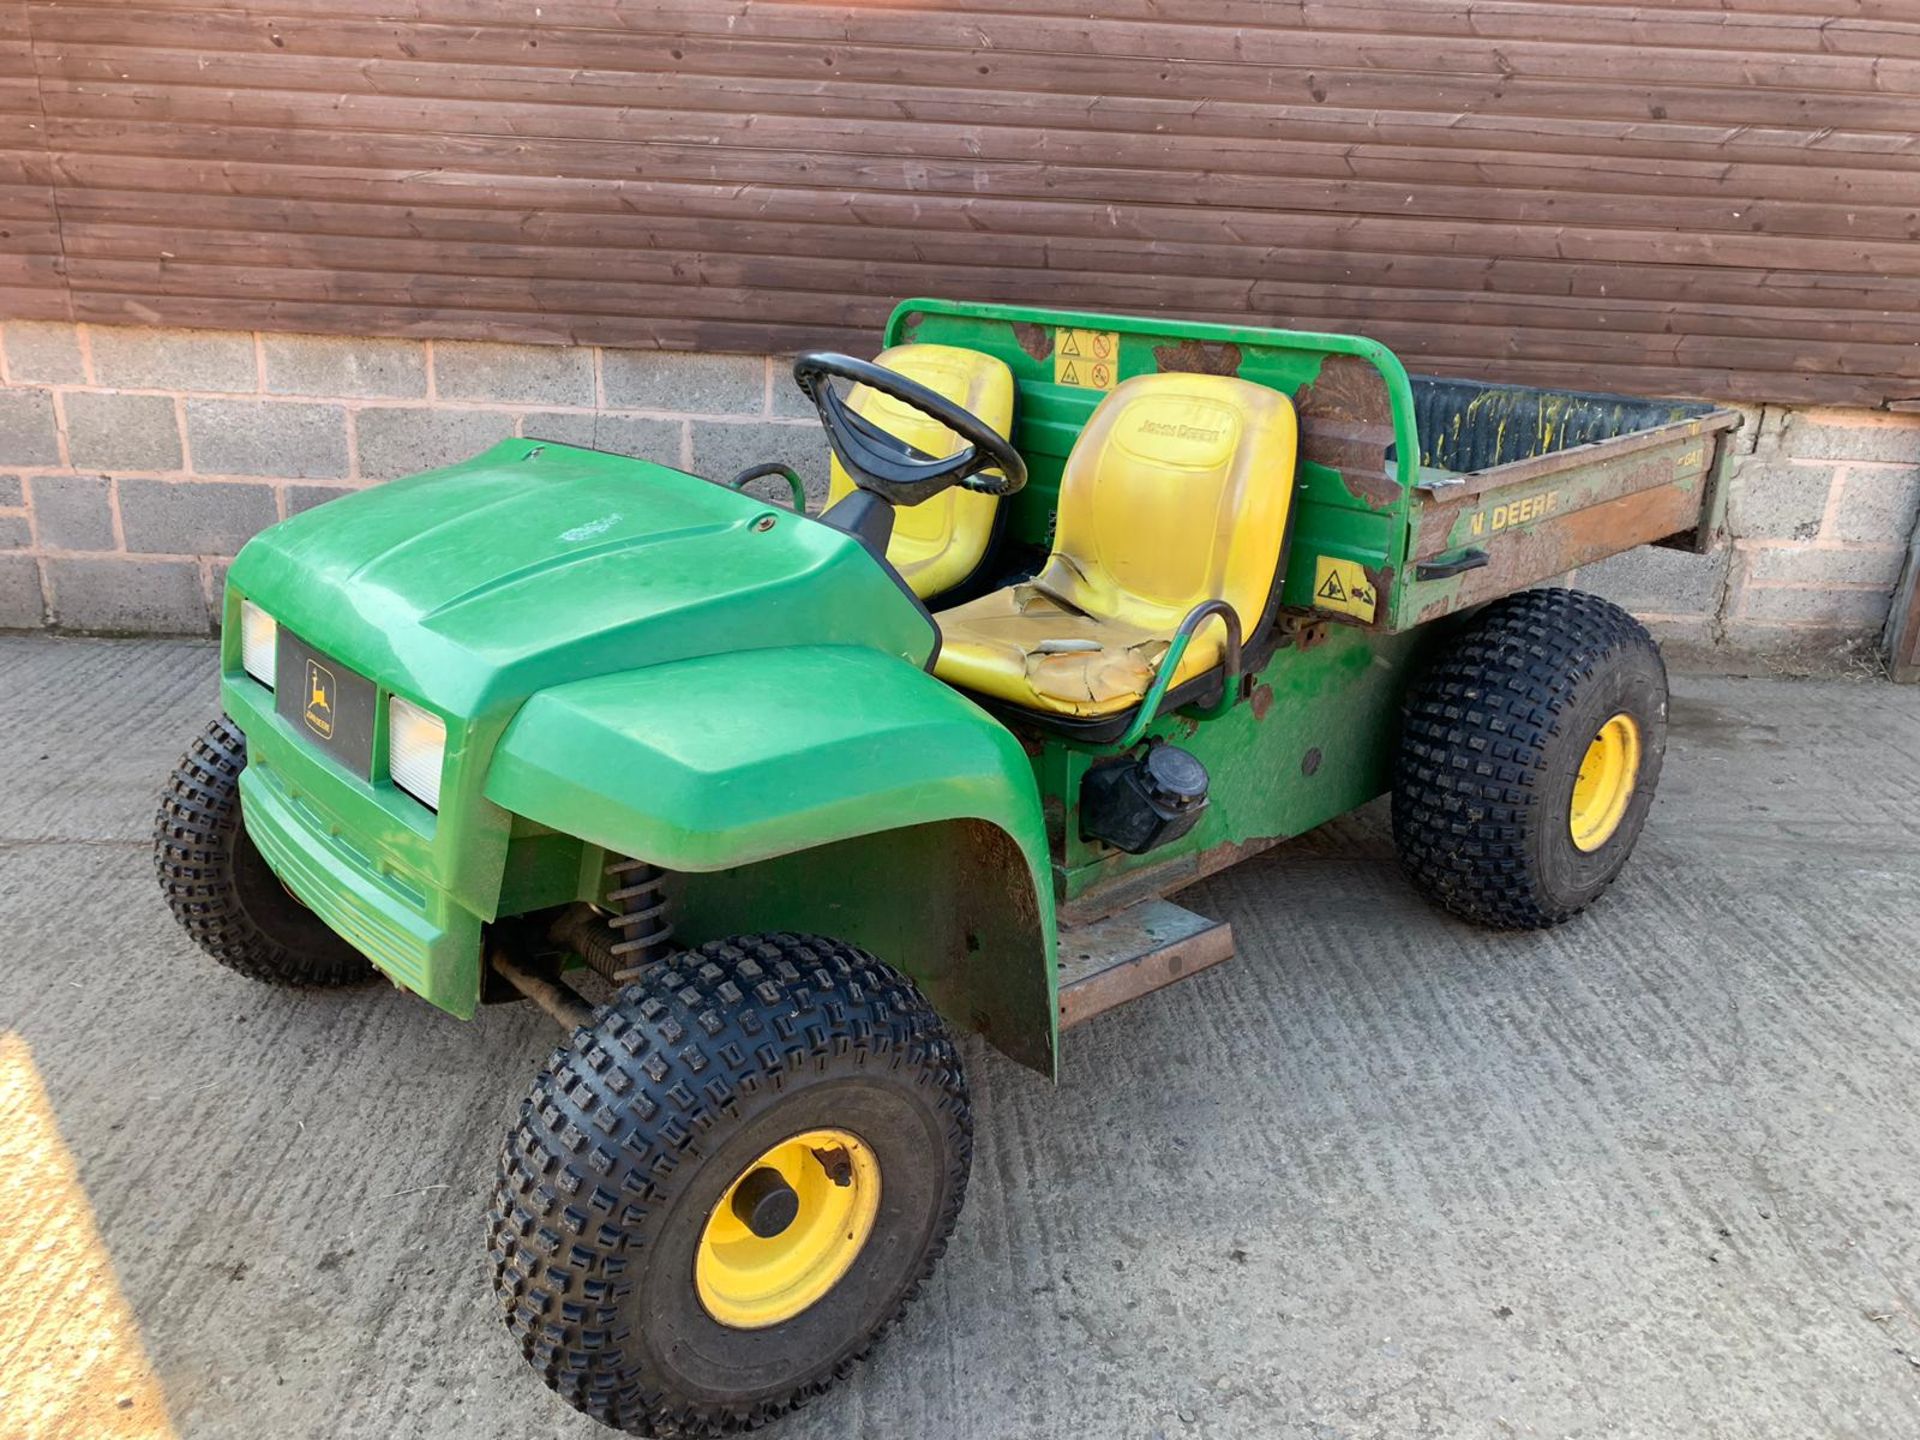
<point x="938" y="544"/>
<point x="1177" y="491"/>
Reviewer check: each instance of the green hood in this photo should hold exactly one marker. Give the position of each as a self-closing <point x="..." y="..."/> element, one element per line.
<point x="535" y="564"/>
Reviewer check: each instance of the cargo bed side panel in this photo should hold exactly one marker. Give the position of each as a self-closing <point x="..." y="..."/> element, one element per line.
<point x="1522" y="523"/>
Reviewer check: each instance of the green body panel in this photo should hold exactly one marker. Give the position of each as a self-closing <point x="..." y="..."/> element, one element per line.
<point x="468" y="590"/>
<point x="415" y="932"/>
<point x="838" y="789"/>
<point x="955" y="903"/>
<point x="794" y="748"/>
<point x="1313" y="741"/>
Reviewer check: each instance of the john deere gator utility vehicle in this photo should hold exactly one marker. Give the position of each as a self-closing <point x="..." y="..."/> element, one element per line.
<point x="1098" y="607"/>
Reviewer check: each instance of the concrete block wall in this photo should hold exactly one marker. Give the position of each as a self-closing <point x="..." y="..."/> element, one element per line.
<point x="1822" y="509"/>
<point x="135" y="462"/>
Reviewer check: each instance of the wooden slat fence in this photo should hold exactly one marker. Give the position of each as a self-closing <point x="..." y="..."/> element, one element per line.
<point x="1716" y="197"/>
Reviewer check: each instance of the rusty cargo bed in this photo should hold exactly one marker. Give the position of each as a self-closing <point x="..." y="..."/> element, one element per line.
<point x="1518" y="486"/>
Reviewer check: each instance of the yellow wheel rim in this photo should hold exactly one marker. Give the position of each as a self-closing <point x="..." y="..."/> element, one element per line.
<point x="817" y="1195"/>
<point x="1607" y="778"/>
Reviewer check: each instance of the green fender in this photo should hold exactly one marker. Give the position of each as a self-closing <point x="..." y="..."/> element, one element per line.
<point x="828" y="788"/>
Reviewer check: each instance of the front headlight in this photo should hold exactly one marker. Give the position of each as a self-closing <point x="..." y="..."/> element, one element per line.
<point x="416" y="748"/>
<point x="259" y="642"/>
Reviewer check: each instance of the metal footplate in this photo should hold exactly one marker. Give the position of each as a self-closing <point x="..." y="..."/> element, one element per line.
<point x="1133" y="952"/>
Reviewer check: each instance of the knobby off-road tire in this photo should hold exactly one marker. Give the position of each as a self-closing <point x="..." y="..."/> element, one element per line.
<point x="221" y="890"/>
<point x="1492" y="745"/>
<point x="637" y="1131"/>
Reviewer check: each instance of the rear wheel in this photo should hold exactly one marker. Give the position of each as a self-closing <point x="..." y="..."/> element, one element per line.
<point x="721" y="1192"/>
<point x="220" y="888"/>
<point x="1528" y="756"/>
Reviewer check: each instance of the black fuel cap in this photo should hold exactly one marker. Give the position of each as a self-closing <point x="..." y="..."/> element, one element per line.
<point x="1174" y="778"/>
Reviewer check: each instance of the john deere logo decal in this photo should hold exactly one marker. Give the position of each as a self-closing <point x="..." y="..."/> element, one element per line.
<point x="319" y="708"/>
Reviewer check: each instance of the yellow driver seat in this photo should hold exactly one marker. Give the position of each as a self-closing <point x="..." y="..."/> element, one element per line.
<point x="1177" y="491"/>
<point x="939" y="544"/>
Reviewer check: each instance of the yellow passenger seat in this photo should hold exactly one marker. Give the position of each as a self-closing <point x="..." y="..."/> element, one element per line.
<point x="939" y="544"/>
<point x="1177" y="491"/>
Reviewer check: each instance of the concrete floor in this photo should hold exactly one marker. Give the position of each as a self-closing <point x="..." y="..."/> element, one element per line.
<point x="1382" y="1174"/>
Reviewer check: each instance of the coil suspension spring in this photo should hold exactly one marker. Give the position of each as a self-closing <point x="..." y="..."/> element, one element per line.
<point x="639" y="917"/>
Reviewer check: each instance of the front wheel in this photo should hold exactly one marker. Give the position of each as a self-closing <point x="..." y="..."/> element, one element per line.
<point x="721" y="1192"/>
<point x="1528" y="756"/>
<point x="222" y="891"/>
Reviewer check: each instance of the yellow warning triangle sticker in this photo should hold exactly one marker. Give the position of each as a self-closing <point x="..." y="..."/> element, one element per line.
<point x="1069" y="376"/>
<point x="1068" y="346"/>
<point x="1332" y="590"/>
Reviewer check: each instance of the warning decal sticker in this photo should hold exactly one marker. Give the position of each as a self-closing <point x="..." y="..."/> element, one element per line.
<point x="1087" y="358"/>
<point x="1342" y="586"/>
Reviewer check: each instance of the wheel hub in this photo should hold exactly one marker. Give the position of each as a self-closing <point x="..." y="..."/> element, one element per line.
<point x="1608" y="774"/>
<point x="764" y="1202"/>
<point x="787" y="1229"/>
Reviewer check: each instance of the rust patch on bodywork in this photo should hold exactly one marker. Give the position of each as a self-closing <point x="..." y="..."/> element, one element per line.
<point x="1054" y="812"/>
<point x="1350" y="389"/>
<point x="1382" y="581"/>
<point x="1346" y="424"/>
<point x="1197" y="357"/>
<point x="1117" y="892"/>
<point x="1261" y="701"/>
<point x="1222" y="857"/>
<point x="1372" y="484"/>
<point x="1036" y="340"/>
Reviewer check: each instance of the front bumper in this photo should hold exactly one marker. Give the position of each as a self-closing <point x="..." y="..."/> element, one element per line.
<point x="345" y="855"/>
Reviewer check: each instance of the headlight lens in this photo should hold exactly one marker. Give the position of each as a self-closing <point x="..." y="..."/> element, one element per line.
<point x="259" y="642"/>
<point x="416" y="748"/>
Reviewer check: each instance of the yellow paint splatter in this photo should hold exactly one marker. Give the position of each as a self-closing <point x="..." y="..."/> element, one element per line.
<point x="72" y="1366"/>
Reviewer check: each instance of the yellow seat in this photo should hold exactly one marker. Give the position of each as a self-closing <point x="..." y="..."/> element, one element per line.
<point x="1178" y="491"/>
<point x="937" y="545"/>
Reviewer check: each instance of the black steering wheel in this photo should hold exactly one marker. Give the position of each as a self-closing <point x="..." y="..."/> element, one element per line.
<point x="886" y="465"/>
